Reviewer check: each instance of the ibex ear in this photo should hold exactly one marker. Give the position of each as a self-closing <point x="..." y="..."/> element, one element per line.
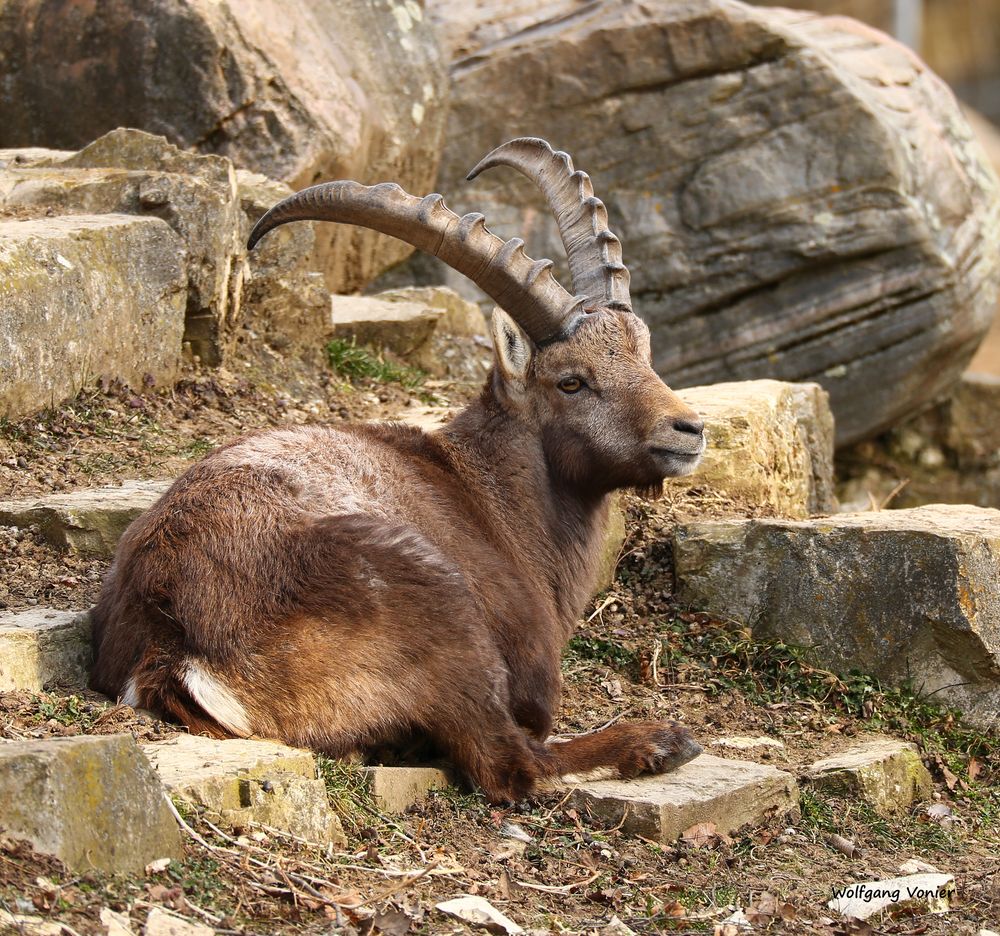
<point x="511" y="346"/>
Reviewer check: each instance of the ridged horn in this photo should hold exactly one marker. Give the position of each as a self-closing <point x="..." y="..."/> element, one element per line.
<point x="594" y="253"/>
<point x="525" y="288"/>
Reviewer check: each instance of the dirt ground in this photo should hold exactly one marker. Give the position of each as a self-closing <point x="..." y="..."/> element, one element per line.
<point x="547" y="866"/>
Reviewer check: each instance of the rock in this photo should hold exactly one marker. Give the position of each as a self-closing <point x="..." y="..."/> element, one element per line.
<point x="460" y="345"/>
<point x="116" y="924"/>
<point x="887" y="774"/>
<point x="301" y="91"/>
<point x="923" y="891"/>
<point x="794" y="193"/>
<point x="948" y="454"/>
<point x="87" y="295"/>
<point x="30" y="925"/>
<point x="427" y="418"/>
<point x="988" y="135"/>
<point x="40" y="648"/>
<point x="460" y="318"/>
<point x="90" y="520"/>
<point x="744" y="743"/>
<point x="479" y="912"/>
<point x="130" y="172"/>
<point x="770" y="450"/>
<point x="161" y="923"/>
<point x="243" y="782"/>
<point x="93" y="802"/>
<point x="614" y="541"/>
<point x="909" y="596"/>
<point x="728" y="793"/>
<point x="432" y="329"/>
<point x="285" y="301"/>
<point x="396" y="789"/>
<point x="404" y="328"/>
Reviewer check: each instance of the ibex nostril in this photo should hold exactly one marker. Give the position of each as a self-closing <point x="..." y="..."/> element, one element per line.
<point x="694" y="426"/>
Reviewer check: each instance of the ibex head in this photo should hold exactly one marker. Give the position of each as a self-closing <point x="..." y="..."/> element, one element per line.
<point x="576" y="367"/>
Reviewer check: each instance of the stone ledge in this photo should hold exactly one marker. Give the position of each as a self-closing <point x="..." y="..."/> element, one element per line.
<point x="245" y="782"/>
<point x="90" y="520"/>
<point x="728" y="793"/>
<point x="905" y="595"/>
<point x="396" y="789"/>
<point x="887" y="774"/>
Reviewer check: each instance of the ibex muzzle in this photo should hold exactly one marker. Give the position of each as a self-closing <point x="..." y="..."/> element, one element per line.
<point x="345" y="587"/>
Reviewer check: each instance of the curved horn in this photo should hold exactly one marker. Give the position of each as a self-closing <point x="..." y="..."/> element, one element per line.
<point x="594" y="253"/>
<point x="522" y="286"/>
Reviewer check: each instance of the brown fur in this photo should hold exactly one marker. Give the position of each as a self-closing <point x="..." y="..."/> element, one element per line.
<point x="344" y="588"/>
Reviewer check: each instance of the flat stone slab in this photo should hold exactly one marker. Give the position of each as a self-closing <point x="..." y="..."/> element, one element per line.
<point x="90" y="520"/>
<point x="887" y="774"/>
<point x="245" y="781"/>
<point x="396" y="789"/>
<point x="93" y="802"/>
<point x="900" y="594"/>
<point x="41" y="647"/>
<point x="729" y="793"/>
<point x="770" y="449"/>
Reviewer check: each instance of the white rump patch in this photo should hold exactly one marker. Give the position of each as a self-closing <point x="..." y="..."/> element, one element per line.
<point x="130" y="695"/>
<point x="216" y="699"/>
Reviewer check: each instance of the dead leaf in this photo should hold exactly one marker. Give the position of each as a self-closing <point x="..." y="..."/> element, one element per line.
<point x="391" y="922"/>
<point x="172" y="897"/>
<point x="703" y="834"/>
<point x="613" y="687"/>
<point x="676" y="909"/>
<point x="158" y="866"/>
<point x="763" y="910"/>
<point x="975" y="768"/>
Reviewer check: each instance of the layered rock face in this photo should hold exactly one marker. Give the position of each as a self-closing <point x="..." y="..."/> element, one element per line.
<point x="301" y="91"/>
<point x="798" y="197"/>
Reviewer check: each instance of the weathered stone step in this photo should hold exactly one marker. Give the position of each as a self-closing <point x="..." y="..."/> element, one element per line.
<point x="241" y="782"/>
<point x="86" y="295"/>
<point x="887" y="774"/>
<point x="728" y="793"/>
<point x="40" y="648"/>
<point x="90" y="520"/>
<point x="905" y="595"/>
<point x="91" y="802"/>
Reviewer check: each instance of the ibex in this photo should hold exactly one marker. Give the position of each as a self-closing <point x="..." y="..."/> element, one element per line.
<point x="350" y="587"/>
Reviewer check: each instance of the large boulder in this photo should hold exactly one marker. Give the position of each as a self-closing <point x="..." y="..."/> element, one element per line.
<point x="909" y="596"/>
<point x="211" y="208"/>
<point x="131" y="172"/>
<point x="86" y="295"/>
<point x="299" y="90"/>
<point x="799" y="197"/>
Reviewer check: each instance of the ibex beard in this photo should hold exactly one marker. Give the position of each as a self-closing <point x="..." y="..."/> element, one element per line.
<point x="352" y="587"/>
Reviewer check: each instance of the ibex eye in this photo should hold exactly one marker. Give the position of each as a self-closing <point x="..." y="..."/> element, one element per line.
<point x="570" y="384"/>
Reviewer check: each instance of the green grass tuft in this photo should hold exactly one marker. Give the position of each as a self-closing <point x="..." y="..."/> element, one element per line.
<point x="353" y="362"/>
